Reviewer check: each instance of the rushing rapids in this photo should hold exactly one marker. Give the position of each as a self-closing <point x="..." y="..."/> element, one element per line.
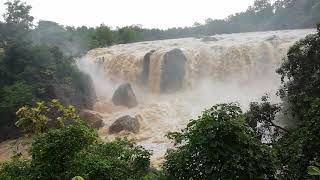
<point x="174" y="80"/>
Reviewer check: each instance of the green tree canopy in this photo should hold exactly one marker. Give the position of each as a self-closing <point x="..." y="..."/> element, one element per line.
<point x="219" y="145"/>
<point x="300" y="74"/>
<point x="72" y="150"/>
<point x="18" y="13"/>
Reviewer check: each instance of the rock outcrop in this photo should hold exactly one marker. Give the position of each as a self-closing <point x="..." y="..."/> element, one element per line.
<point x="124" y="96"/>
<point x="173" y="71"/>
<point x="125" y="123"/>
<point x="146" y="68"/>
<point x="82" y="96"/>
<point x="93" y="119"/>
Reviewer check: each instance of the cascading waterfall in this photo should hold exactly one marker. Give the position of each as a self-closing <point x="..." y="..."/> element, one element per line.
<point x="174" y="80"/>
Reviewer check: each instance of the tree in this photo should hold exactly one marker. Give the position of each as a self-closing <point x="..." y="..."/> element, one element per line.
<point x="300" y="75"/>
<point x="17" y="95"/>
<point x="260" y="5"/>
<point x="32" y="71"/>
<point x="12" y="97"/>
<point x="72" y="149"/>
<point x="264" y="114"/>
<point x="18" y="22"/>
<point x="196" y="24"/>
<point x="52" y="151"/>
<point x="102" y="36"/>
<point x="18" y="13"/>
<point x="35" y="119"/>
<point x="127" y="34"/>
<point x="300" y="148"/>
<point x="300" y="87"/>
<point x="219" y="145"/>
<point x="70" y="40"/>
<point x="115" y="160"/>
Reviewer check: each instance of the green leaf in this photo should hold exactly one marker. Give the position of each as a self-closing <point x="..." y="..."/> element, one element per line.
<point x="313" y="171"/>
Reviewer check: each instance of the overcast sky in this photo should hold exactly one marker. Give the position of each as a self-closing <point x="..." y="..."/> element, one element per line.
<point x="149" y="13"/>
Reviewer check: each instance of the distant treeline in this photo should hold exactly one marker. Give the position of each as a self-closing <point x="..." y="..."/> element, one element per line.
<point x="261" y="16"/>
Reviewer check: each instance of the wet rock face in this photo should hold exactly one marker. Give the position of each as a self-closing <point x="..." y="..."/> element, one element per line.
<point x="146" y="68"/>
<point x="124" y="96"/>
<point x="82" y="96"/>
<point x="172" y="71"/>
<point x="93" y="119"/>
<point x="125" y="123"/>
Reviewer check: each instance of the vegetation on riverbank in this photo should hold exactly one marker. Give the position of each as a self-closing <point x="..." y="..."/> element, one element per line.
<point x="223" y="143"/>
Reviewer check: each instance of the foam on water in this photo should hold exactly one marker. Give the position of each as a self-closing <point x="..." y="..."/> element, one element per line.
<point x="229" y="68"/>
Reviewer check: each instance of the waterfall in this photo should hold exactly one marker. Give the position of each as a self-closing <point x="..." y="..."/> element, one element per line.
<point x="175" y="80"/>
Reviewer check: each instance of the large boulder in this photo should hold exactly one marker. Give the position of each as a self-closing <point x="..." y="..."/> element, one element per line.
<point x="93" y="119"/>
<point x="173" y="71"/>
<point x="124" y="96"/>
<point x="146" y="68"/>
<point x="125" y="123"/>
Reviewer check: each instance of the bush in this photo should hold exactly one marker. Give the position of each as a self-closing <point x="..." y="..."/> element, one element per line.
<point x="300" y="79"/>
<point x="219" y="145"/>
<point x="115" y="160"/>
<point x="72" y="150"/>
<point x="52" y="151"/>
<point x="300" y="148"/>
<point x="17" y="169"/>
<point x="35" y="120"/>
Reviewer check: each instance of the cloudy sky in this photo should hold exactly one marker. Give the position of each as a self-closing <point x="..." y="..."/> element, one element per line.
<point x="149" y="13"/>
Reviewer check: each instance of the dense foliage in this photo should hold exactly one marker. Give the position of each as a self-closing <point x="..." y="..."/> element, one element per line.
<point x="36" y="64"/>
<point x="215" y="145"/>
<point x="74" y="150"/>
<point x="300" y="76"/>
<point x="33" y="71"/>
<point x="42" y="116"/>
<point x="116" y="160"/>
<point x="219" y="145"/>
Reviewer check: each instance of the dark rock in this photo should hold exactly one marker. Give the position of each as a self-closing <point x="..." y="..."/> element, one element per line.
<point x="146" y="68"/>
<point x="93" y="119"/>
<point x="125" y="123"/>
<point x="124" y="96"/>
<point x="82" y="95"/>
<point x="172" y="71"/>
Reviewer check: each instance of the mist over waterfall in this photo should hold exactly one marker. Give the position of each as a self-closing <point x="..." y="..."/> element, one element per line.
<point x="174" y="80"/>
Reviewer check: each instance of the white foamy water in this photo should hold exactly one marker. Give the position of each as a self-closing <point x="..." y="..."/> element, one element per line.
<point x="229" y="68"/>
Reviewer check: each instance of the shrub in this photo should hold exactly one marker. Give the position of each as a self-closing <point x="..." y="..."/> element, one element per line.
<point x="72" y="150"/>
<point x="52" y="151"/>
<point x="219" y="145"/>
<point x="17" y="169"/>
<point x="116" y="160"/>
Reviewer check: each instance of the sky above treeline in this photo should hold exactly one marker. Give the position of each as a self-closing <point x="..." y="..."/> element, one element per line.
<point x="161" y="14"/>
